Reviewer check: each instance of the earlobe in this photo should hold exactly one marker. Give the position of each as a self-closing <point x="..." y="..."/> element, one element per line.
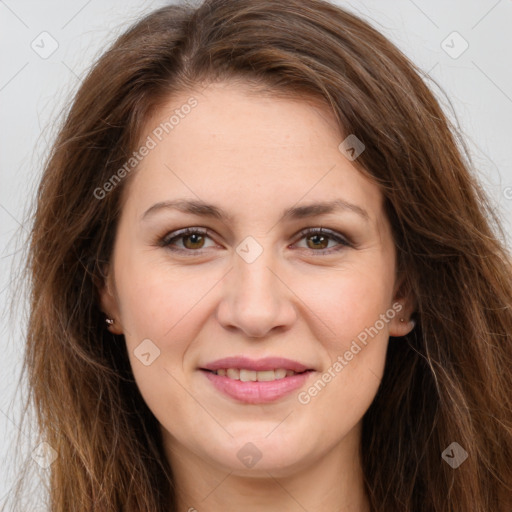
<point x="112" y="326"/>
<point x="402" y="323"/>
<point x="109" y="305"/>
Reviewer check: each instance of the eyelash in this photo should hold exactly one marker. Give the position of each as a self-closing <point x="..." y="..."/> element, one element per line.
<point x="167" y="240"/>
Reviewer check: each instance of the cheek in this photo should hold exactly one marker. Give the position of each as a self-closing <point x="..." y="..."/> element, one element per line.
<point x="163" y="312"/>
<point x="160" y="300"/>
<point x="159" y="307"/>
<point x="356" y="309"/>
<point x="348" y="304"/>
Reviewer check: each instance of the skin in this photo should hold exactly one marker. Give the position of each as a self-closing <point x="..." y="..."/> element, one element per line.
<point x="255" y="155"/>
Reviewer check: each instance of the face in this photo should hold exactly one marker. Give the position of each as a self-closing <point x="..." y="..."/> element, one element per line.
<point x="305" y="314"/>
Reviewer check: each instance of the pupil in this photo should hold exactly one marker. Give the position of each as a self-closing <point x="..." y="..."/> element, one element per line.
<point x="194" y="237"/>
<point x="323" y="238"/>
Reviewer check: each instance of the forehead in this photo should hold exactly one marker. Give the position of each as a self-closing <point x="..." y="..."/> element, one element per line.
<point x="243" y="118"/>
<point x="236" y="145"/>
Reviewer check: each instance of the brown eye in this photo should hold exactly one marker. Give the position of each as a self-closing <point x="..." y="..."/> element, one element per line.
<point x="196" y="241"/>
<point x="186" y="240"/>
<point x="317" y="241"/>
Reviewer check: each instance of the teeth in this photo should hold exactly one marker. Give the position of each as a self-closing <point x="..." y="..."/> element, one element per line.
<point x="233" y="373"/>
<point x="253" y="376"/>
<point x="247" y="375"/>
<point x="282" y="373"/>
<point x="266" y="376"/>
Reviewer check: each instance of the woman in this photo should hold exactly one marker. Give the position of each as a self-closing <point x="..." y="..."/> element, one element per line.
<point x="195" y="343"/>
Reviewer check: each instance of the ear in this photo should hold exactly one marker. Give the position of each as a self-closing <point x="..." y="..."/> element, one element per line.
<point x="109" y="302"/>
<point x="404" y="302"/>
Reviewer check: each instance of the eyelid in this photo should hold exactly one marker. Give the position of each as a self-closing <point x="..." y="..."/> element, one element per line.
<point x="180" y="233"/>
<point x="342" y="239"/>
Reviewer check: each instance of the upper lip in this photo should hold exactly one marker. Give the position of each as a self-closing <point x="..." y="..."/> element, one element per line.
<point x="267" y="363"/>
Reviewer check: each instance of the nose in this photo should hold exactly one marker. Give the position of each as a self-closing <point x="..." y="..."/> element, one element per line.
<point x="255" y="299"/>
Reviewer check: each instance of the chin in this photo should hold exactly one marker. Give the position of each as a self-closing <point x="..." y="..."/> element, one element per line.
<point x="257" y="455"/>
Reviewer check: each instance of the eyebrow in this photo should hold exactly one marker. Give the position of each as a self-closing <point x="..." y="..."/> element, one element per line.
<point x="200" y="208"/>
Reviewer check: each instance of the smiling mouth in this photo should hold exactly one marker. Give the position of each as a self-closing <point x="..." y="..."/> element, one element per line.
<point x="244" y="375"/>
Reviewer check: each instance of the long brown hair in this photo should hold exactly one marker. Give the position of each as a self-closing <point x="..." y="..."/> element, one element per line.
<point x="448" y="381"/>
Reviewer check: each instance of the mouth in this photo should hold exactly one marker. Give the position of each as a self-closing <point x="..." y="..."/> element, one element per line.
<point x="256" y="381"/>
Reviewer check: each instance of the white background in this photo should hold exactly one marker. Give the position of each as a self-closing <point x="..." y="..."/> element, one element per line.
<point x="33" y="90"/>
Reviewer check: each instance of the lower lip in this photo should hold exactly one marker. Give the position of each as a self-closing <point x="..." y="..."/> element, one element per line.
<point x="257" y="392"/>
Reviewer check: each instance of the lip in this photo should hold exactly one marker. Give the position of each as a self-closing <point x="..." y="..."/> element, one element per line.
<point x="267" y="363"/>
<point x="256" y="392"/>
